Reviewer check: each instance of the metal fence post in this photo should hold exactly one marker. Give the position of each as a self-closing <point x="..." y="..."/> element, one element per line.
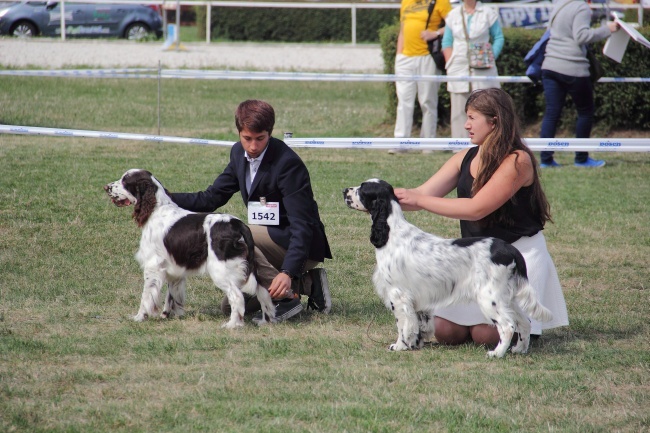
<point x="208" y="23"/>
<point x="353" y="10"/>
<point x="63" y="21"/>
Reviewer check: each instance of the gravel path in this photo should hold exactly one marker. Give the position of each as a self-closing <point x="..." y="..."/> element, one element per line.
<point x="55" y="54"/>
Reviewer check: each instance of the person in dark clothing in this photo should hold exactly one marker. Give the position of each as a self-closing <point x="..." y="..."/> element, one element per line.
<point x="283" y="215"/>
<point x="565" y="71"/>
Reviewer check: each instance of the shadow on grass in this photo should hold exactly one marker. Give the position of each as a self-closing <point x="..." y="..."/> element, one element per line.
<point x="214" y="313"/>
<point x="571" y="340"/>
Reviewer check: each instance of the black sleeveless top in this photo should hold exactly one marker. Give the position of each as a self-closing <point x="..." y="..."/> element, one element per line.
<point x="525" y="221"/>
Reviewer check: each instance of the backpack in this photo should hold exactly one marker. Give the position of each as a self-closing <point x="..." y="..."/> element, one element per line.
<point x="535" y="57"/>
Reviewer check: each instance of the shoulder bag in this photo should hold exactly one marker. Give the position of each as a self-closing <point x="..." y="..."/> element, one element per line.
<point x="435" y="45"/>
<point x="596" y="70"/>
<point x="479" y="54"/>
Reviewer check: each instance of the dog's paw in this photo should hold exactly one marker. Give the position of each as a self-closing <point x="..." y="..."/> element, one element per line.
<point x="232" y="325"/>
<point x="168" y="314"/>
<point x="520" y="347"/>
<point x="140" y="317"/>
<point x="262" y="322"/>
<point x="399" y="346"/>
<point x="415" y="344"/>
<point x="495" y="354"/>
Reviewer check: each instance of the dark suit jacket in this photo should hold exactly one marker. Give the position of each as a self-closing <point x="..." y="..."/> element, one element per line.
<point x="282" y="177"/>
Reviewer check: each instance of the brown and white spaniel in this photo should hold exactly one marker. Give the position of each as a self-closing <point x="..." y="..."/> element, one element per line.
<point x="177" y="243"/>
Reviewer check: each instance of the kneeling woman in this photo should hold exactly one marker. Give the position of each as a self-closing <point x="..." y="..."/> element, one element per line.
<point x="499" y="195"/>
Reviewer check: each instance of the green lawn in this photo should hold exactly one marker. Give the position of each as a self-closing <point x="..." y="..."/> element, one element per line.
<point x="71" y="358"/>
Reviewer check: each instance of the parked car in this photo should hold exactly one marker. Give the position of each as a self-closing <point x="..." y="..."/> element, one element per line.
<point x="33" y="18"/>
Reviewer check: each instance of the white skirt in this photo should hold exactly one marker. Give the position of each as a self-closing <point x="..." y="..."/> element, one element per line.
<point x="542" y="276"/>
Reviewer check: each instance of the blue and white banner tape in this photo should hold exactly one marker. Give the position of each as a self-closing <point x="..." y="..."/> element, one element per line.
<point x="199" y="74"/>
<point x="536" y="144"/>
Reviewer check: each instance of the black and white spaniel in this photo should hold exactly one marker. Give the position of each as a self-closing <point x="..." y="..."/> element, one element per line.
<point x="417" y="272"/>
<point x="176" y="243"/>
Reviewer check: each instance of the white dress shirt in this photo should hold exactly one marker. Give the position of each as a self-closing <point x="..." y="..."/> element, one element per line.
<point x="253" y="166"/>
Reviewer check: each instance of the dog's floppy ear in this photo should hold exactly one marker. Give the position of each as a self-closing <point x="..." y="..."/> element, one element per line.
<point x="377" y="197"/>
<point x="380" y="229"/>
<point x="145" y="194"/>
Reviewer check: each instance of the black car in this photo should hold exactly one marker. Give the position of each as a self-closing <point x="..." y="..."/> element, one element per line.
<point x="32" y="18"/>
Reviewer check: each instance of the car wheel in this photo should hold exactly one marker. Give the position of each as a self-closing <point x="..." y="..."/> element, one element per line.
<point x="136" y="31"/>
<point x="23" y="29"/>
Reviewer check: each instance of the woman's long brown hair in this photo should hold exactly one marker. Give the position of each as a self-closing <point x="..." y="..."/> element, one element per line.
<point x="505" y="139"/>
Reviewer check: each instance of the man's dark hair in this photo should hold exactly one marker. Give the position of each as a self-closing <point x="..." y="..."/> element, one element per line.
<point x="256" y="116"/>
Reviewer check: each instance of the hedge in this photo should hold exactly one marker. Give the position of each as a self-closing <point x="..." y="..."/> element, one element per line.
<point x="299" y="24"/>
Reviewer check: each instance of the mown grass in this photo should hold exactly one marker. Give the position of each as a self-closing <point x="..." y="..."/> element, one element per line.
<point x="71" y="359"/>
<point x="198" y="108"/>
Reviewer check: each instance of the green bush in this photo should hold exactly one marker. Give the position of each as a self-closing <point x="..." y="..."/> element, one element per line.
<point x="299" y="24"/>
<point x="618" y="105"/>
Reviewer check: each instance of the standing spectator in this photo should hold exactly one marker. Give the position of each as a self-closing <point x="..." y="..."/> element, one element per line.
<point x="289" y="244"/>
<point x="413" y="58"/>
<point x="482" y="24"/>
<point x="565" y="70"/>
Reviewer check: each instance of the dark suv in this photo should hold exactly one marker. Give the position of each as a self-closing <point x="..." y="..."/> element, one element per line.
<point x="32" y="18"/>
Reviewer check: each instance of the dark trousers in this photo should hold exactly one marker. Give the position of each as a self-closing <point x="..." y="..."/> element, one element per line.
<point x="581" y="90"/>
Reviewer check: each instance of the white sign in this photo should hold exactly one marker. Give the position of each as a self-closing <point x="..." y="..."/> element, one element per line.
<point x="617" y="43"/>
<point x="267" y="214"/>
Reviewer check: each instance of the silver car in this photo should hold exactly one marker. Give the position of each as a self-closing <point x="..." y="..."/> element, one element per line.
<point x="33" y="18"/>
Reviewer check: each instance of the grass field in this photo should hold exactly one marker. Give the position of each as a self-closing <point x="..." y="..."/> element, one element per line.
<point x="72" y="360"/>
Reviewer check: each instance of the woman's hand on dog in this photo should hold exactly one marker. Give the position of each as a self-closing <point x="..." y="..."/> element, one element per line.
<point x="408" y="198"/>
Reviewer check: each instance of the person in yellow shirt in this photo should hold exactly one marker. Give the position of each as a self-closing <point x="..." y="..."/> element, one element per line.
<point x="413" y="58"/>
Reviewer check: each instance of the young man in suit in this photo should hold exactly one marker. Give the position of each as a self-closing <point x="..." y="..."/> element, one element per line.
<point x="289" y="236"/>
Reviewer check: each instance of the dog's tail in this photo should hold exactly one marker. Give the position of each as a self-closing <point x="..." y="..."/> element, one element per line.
<point x="527" y="300"/>
<point x="247" y="238"/>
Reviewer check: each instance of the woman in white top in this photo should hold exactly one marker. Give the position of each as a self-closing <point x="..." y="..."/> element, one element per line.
<point x="482" y="25"/>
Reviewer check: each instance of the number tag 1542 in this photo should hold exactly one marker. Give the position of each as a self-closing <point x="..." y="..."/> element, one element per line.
<point x="267" y="214"/>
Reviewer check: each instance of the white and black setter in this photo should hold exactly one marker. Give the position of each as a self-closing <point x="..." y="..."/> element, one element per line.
<point x="417" y="272"/>
<point x="176" y="243"/>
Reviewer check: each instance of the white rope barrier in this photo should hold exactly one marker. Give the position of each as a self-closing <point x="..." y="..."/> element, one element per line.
<point x="58" y="132"/>
<point x="536" y="144"/>
<point x="278" y="76"/>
